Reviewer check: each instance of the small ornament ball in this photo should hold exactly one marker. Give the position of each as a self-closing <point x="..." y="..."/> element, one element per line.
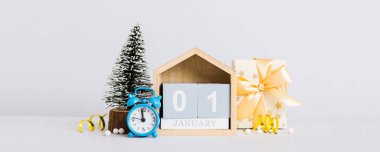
<point x="121" y="131"/>
<point x="115" y="131"/>
<point x="247" y="131"/>
<point x="259" y="131"/>
<point x="258" y="128"/>
<point x="291" y="131"/>
<point x="107" y="133"/>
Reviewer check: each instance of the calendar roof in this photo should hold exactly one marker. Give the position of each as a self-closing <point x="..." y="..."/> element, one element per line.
<point x="191" y="53"/>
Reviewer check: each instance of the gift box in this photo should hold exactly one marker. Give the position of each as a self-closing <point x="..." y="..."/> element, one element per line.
<point x="261" y="91"/>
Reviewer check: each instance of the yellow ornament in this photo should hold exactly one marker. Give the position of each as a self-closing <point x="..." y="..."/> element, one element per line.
<point x="268" y="124"/>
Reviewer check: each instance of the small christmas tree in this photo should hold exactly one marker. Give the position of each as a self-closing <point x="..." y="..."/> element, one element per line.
<point x="129" y="72"/>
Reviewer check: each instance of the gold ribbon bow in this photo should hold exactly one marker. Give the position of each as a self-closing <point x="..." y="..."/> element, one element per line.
<point x="268" y="92"/>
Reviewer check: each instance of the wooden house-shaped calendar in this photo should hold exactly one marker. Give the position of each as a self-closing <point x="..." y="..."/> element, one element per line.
<point x="199" y="96"/>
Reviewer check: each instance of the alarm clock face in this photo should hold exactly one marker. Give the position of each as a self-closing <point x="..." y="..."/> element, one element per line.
<point x="142" y="120"/>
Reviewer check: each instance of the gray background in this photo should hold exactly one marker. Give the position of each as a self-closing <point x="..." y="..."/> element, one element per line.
<point x="55" y="56"/>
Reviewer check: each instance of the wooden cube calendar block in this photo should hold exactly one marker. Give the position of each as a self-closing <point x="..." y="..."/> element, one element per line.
<point x="213" y="101"/>
<point x="196" y="66"/>
<point x="179" y="100"/>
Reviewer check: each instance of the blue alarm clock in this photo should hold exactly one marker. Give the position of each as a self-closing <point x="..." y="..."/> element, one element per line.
<point x="143" y="119"/>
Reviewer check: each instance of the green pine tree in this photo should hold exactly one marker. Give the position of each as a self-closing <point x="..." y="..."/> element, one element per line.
<point x="129" y="72"/>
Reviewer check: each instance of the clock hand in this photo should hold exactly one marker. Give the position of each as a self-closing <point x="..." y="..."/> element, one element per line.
<point x="135" y="118"/>
<point x="142" y="116"/>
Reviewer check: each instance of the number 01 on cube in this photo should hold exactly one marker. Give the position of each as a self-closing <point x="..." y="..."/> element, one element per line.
<point x="196" y="106"/>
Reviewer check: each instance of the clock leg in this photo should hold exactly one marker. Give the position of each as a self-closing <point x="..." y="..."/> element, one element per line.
<point x="130" y="134"/>
<point x="154" y="134"/>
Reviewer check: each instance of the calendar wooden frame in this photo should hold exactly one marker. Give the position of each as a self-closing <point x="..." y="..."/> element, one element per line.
<point x="195" y="66"/>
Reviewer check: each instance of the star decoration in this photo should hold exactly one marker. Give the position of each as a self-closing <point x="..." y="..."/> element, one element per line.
<point x="278" y="105"/>
<point x="241" y="73"/>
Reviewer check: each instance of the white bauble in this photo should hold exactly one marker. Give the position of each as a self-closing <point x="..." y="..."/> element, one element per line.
<point x="107" y="133"/>
<point x="259" y="131"/>
<point x="290" y="130"/>
<point x="258" y="127"/>
<point x="121" y="131"/>
<point x="247" y="131"/>
<point x="115" y="131"/>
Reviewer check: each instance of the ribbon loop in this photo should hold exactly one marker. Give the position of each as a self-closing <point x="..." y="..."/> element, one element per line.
<point x="268" y="124"/>
<point x="91" y="126"/>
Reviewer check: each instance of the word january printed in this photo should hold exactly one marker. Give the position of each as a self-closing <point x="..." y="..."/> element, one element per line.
<point x="195" y="123"/>
<point x="200" y="123"/>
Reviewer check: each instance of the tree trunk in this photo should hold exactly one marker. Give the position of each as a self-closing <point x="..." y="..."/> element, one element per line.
<point x="117" y="119"/>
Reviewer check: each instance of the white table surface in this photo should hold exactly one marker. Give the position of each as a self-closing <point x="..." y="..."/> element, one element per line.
<point x="60" y="134"/>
